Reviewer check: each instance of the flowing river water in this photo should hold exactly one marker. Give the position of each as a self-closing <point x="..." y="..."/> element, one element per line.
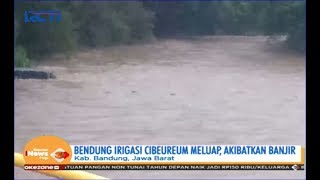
<point x="211" y="90"/>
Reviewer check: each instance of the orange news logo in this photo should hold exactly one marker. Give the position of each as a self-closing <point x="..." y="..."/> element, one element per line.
<point x="59" y="155"/>
<point x="47" y="150"/>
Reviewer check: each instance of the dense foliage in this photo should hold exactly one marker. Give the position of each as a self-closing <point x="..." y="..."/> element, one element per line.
<point x="109" y="23"/>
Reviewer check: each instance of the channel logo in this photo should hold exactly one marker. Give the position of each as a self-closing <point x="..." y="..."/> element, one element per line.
<point x="47" y="150"/>
<point x="60" y="155"/>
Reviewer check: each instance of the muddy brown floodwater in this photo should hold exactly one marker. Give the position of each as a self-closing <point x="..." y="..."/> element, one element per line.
<point x="212" y="90"/>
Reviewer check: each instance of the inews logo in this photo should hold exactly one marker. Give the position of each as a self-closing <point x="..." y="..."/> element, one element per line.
<point x="59" y="155"/>
<point x="47" y="150"/>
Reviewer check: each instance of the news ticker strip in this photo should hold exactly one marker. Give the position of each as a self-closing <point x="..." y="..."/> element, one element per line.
<point x="166" y="167"/>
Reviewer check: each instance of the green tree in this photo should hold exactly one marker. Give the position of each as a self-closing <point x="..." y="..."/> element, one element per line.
<point x="45" y="38"/>
<point x="100" y="24"/>
<point x="110" y="23"/>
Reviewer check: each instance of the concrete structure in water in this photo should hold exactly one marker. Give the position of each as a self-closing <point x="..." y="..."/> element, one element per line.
<point x="32" y="74"/>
